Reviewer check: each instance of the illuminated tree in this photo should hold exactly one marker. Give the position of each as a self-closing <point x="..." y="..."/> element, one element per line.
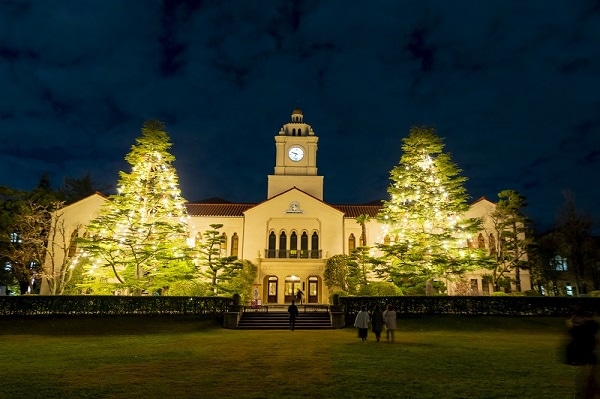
<point x="139" y="240"/>
<point x="364" y="263"/>
<point x="215" y="266"/>
<point x="341" y="273"/>
<point x="363" y="220"/>
<point x="513" y="240"/>
<point x="424" y="214"/>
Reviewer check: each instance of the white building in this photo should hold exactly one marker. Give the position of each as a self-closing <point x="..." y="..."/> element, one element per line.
<point x="291" y="234"/>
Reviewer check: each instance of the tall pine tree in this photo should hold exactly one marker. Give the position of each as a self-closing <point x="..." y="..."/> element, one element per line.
<point x="139" y="240"/>
<point x="424" y="214"/>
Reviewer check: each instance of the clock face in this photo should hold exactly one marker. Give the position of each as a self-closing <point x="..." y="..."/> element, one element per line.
<point x="296" y="153"/>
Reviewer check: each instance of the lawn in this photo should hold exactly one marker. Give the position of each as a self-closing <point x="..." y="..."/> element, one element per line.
<point x="433" y="357"/>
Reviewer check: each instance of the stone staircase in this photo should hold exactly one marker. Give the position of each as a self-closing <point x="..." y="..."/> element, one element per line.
<point x="279" y="320"/>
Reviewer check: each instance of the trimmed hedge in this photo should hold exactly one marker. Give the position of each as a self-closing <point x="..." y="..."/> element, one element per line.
<point x="80" y="305"/>
<point x="471" y="305"/>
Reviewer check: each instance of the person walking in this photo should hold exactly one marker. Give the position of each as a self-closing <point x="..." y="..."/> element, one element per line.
<point x="293" y="311"/>
<point x="377" y="322"/>
<point x="362" y="323"/>
<point x="300" y="296"/>
<point x="389" y="317"/>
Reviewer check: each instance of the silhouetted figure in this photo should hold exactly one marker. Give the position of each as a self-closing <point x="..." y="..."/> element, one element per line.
<point x="377" y="322"/>
<point x="293" y="311"/>
<point x="300" y="296"/>
<point x="580" y="352"/>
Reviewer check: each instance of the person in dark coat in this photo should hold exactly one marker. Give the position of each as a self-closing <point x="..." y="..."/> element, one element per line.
<point x="581" y="349"/>
<point x="293" y="311"/>
<point x="377" y="322"/>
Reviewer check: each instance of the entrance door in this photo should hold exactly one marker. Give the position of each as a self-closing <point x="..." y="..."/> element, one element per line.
<point x="272" y="290"/>
<point x="313" y="290"/>
<point x="292" y="285"/>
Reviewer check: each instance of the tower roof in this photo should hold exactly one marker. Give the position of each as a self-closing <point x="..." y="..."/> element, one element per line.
<point x="297" y="111"/>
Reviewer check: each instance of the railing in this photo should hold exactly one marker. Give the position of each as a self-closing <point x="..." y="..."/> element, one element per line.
<point x="308" y="308"/>
<point x="293" y="253"/>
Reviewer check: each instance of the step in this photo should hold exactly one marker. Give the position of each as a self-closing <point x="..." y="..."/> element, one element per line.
<point x="280" y="321"/>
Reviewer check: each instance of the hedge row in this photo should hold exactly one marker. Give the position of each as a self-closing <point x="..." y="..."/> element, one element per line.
<point x="111" y="305"/>
<point x="472" y="305"/>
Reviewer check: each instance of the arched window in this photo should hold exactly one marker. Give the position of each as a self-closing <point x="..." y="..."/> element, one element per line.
<point x="492" y="242"/>
<point x="73" y="244"/>
<point x="235" y="241"/>
<point x="282" y="245"/>
<point x="272" y="241"/>
<point x="304" y="245"/>
<point x="386" y="239"/>
<point x="294" y="245"/>
<point x="197" y="239"/>
<point x="314" y="246"/>
<point x="299" y="132"/>
<point x="293" y="132"/>
<point x="351" y="243"/>
<point x="224" y="243"/>
<point x="480" y="241"/>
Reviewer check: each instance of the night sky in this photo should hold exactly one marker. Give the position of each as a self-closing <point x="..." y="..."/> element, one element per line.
<point x="513" y="86"/>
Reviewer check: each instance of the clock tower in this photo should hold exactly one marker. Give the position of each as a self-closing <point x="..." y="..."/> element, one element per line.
<point x="296" y="159"/>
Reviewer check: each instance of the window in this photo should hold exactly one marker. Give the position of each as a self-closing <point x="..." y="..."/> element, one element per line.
<point x="235" y="241"/>
<point x="224" y="243"/>
<point x="15" y="238"/>
<point x="272" y="241"/>
<point x="294" y="245"/>
<point x="569" y="289"/>
<point x="560" y="264"/>
<point x="314" y="246"/>
<point x="72" y="244"/>
<point x="480" y="241"/>
<point x="351" y="243"/>
<point x="282" y="244"/>
<point x="198" y="239"/>
<point x="492" y="244"/>
<point x="474" y="289"/>
<point x="304" y="245"/>
<point x="485" y="287"/>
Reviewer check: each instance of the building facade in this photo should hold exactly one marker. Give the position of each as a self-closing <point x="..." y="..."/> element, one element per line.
<point x="291" y="234"/>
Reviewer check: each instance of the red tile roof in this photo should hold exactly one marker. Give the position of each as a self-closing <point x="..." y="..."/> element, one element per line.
<point x="224" y="209"/>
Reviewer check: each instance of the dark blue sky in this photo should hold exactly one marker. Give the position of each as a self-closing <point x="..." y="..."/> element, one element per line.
<point x="512" y="86"/>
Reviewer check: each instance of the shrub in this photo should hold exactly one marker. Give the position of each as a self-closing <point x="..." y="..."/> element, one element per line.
<point x="594" y="293"/>
<point x="334" y="297"/>
<point x="533" y="293"/>
<point x="499" y="293"/>
<point x="380" y="288"/>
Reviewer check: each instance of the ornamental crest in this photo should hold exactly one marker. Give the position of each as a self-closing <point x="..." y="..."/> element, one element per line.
<point x="294" y="208"/>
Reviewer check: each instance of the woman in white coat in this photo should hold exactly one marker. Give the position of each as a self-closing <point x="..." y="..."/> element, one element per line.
<point x="362" y="323"/>
<point x="389" y="318"/>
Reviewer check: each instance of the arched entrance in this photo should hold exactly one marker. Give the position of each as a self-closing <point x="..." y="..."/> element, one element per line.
<point x="313" y="290"/>
<point x="292" y="285"/>
<point x="272" y="289"/>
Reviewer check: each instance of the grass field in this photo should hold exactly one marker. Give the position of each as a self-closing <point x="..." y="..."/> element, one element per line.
<point x="433" y="357"/>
